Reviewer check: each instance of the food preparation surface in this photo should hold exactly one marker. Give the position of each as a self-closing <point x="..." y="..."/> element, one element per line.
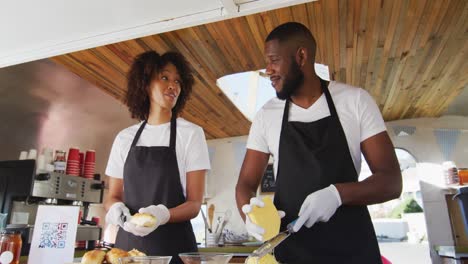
<point x="236" y="250"/>
<point x="240" y="253"/>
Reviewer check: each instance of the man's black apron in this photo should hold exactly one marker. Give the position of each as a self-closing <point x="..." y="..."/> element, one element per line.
<point x="311" y="157"/>
<point x="151" y="177"/>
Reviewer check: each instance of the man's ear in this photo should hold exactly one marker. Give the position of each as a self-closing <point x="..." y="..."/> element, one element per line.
<point x="301" y="56"/>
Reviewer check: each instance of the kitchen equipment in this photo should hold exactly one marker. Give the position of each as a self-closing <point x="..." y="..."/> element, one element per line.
<point x="218" y="224"/>
<point x="211" y="214"/>
<point x="205" y="258"/>
<point x="22" y="191"/>
<point x="146" y="260"/>
<point x="269" y="245"/>
<point x="211" y="240"/>
<point x="226" y="217"/>
<point x="206" y="221"/>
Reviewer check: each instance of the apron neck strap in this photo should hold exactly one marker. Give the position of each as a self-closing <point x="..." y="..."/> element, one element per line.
<point x="137" y="136"/>
<point x="172" y="141"/>
<point x="331" y="106"/>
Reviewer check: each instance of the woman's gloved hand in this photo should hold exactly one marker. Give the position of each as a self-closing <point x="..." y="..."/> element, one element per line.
<point x="160" y="212"/>
<point x="319" y="206"/>
<point x="115" y="213"/>
<point x="253" y="229"/>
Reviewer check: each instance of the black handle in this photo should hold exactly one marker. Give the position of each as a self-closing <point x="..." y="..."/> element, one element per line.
<point x="98" y="186"/>
<point x="42" y="177"/>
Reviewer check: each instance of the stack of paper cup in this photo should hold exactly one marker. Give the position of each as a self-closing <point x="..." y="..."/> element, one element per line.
<point x="23" y="155"/>
<point x="89" y="164"/>
<point x="32" y="154"/>
<point x="40" y="163"/>
<point x="48" y="155"/>
<point x="73" y="162"/>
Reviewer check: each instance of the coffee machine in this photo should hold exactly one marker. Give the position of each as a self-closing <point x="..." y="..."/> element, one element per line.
<point x="22" y="191"/>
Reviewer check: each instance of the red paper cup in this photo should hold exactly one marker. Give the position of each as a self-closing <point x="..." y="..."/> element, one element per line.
<point x="74" y="154"/>
<point x="80" y="215"/>
<point x="96" y="220"/>
<point x="90" y="156"/>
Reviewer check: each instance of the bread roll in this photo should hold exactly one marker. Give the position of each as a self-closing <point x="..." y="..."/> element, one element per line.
<point x="143" y="219"/>
<point x="93" y="257"/>
<point x="112" y="257"/>
<point x="136" y="253"/>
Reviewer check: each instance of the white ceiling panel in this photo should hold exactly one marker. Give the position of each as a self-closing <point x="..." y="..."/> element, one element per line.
<point x="32" y="30"/>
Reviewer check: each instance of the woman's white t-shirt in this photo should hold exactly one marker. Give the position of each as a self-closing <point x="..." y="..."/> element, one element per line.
<point x="358" y="113"/>
<point x="191" y="147"/>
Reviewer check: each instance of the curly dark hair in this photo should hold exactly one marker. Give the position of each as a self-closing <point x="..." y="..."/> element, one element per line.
<point x="145" y="67"/>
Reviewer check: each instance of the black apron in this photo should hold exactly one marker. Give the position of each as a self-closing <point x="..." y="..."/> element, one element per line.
<point x="311" y="157"/>
<point x="151" y="177"/>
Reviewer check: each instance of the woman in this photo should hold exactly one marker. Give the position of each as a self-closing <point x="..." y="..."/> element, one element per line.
<point x="157" y="166"/>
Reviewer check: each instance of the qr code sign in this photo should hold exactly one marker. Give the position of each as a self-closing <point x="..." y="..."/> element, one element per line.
<point x="53" y="235"/>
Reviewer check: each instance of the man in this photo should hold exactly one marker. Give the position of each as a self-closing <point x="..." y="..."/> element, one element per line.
<point x="316" y="132"/>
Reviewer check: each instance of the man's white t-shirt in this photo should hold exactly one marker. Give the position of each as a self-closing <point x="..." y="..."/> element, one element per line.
<point x="358" y="113"/>
<point x="191" y="147"/>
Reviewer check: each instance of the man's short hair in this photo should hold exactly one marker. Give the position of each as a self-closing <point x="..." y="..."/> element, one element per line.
<point x="297" y="32"/>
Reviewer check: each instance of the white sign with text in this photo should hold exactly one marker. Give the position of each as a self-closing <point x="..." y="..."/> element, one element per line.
<point x="54" y="235"/>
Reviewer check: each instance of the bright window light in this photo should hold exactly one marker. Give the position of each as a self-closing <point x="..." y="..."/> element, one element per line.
<point x="249" y="91"/>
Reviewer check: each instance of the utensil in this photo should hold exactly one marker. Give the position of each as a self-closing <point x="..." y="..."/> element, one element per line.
<point x="206" y="222"/>
<point x="218" y="223"/>
<point x="227" y="215"/>
<point x="211" y="214"/>
<point x="269" y="245"/>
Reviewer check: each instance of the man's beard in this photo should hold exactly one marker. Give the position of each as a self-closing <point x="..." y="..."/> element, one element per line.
<point x="292" y="81"/>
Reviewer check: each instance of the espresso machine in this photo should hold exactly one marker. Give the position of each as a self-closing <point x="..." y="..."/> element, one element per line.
<point x="49" y="188"/>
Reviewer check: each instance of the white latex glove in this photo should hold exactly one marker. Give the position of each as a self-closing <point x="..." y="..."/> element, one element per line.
<point x="253" y="229"/>
<point x="318" y="207"/>
<point x="161" y="213"/>
<point x="114" y="215"/>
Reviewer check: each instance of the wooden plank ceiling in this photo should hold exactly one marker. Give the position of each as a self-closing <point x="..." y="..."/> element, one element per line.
<point x="411" y="55"/>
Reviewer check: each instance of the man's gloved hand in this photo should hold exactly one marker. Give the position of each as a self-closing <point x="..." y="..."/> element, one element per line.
<point x="253" y="229"/>
<point x="318" y="207"/>
<point x="161" y="213"/>
<point x="114" y="215"/>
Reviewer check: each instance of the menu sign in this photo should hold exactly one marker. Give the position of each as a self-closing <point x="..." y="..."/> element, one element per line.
<point x="268" y="180"/>
<point x="54" y="235"/>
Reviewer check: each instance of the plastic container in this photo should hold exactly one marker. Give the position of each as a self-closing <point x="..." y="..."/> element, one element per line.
<point x="10" y="247"/>
<point x="463" y="175"/>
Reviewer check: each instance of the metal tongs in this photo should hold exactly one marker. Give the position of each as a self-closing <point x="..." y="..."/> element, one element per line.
<point x="269" y="245"/>
<point x="124" y="218"/>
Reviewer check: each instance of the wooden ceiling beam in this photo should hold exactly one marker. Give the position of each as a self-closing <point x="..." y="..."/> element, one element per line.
<point x="410" y="55"/>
